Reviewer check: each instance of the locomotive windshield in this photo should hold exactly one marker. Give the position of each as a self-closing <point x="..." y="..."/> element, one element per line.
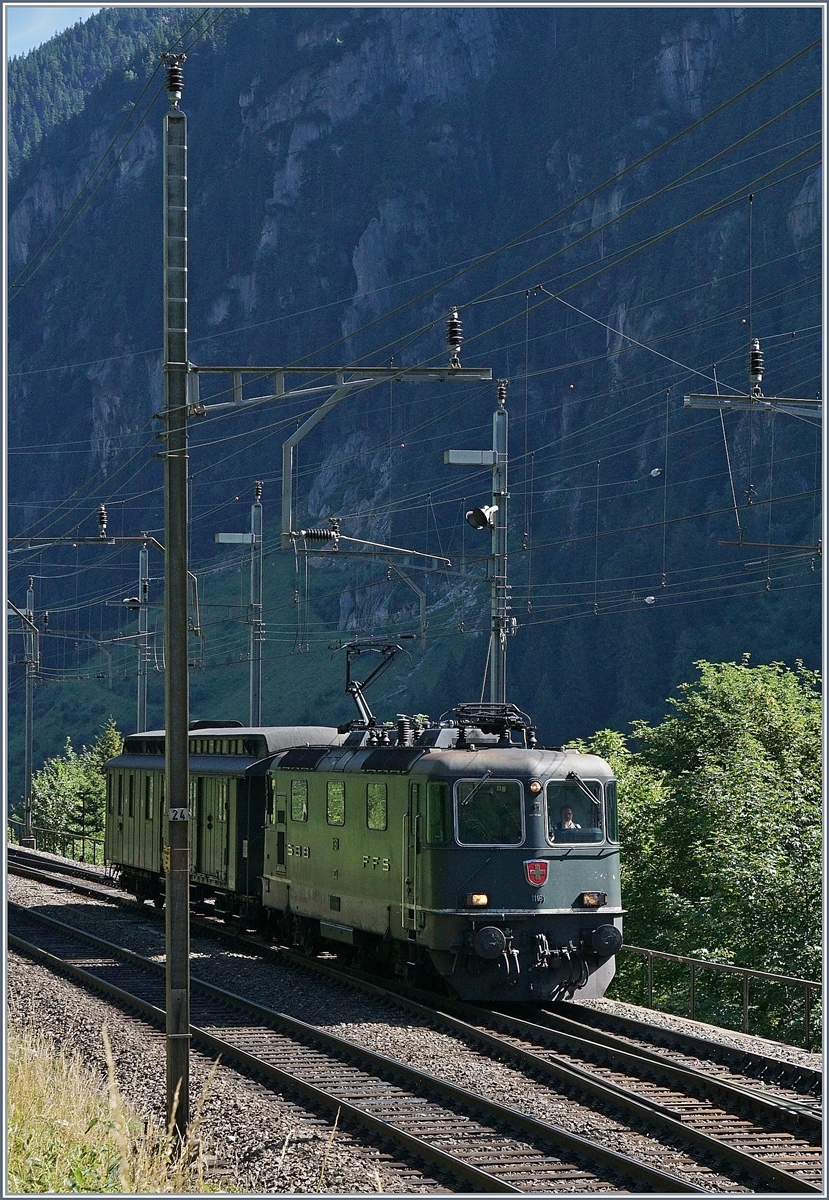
<point x="489" y="812"/>
<point x="574" y="810"/>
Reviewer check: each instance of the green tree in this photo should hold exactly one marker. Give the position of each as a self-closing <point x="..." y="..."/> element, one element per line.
<point x="69" y="791"/>
<point x="720" y="817"/>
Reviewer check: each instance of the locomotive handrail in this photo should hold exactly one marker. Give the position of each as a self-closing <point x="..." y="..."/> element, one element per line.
<point x="747" y="973"/>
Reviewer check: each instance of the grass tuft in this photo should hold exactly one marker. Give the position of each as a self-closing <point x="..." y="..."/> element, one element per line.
<point x="66" y="1135"/>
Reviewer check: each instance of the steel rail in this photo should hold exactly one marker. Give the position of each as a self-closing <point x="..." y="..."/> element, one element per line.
<point x="738" y="1059"/>
<point x="632" y="1103"/>
<point x="422" y="1082"/>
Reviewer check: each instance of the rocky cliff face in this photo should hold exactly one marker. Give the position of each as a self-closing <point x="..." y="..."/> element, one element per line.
<point x="344" y="164"/>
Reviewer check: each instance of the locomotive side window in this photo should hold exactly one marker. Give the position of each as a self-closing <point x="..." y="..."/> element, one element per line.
<point x="489" y="812"/>
<point x="299" y="799"/>
<point x="612" y="810"/>
<point x="574" y="810"/>
<point x="437" y="812"/>
<point x="335" y="803"/>
<point x="377" y="804"/>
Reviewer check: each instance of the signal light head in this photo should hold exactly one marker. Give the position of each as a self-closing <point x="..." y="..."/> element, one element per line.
<point x="483" y="517"/>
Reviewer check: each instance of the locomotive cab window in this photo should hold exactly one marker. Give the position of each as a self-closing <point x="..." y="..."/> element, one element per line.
<point x="489" y="812"/>
<point x="574" y="811"/>
<point x="335" y="803"/>
<point x="612" y="811"/>
<point x="377" y="805"/>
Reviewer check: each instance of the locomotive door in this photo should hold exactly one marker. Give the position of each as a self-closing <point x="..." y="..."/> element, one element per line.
<point x="411" y="883"/>
<point x="280" y="817"/>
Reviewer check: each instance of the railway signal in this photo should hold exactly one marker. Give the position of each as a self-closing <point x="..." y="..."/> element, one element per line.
<point x="494" y="517"/>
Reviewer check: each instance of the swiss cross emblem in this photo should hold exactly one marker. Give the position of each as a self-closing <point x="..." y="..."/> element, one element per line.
<point x="536" y="871"/>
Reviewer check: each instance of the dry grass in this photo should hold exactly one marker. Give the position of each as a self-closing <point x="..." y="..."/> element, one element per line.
<point x="67" y="1134"/>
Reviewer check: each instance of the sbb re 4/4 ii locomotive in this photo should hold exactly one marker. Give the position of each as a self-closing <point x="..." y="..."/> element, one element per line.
<point x="460" y="849"/>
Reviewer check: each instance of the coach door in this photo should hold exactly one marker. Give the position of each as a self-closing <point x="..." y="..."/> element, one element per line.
<point x="211" y="796"/>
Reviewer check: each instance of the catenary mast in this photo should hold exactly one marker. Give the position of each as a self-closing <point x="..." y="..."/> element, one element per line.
<point x="176" y="684"/>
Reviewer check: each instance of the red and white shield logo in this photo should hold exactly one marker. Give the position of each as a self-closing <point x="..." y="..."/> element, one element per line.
<point x="536" y="871"/>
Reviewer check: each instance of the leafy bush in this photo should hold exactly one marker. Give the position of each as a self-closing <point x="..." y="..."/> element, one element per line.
<point x="720" y="817"/>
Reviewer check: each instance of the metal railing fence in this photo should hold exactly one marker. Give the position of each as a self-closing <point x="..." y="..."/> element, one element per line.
<point x="747" y="974"/>
<point x="81" y="847"/>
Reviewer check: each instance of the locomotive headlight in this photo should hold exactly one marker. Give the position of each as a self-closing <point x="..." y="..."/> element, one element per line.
<point x="477" y="900"/>
<point x="535" y="787"/>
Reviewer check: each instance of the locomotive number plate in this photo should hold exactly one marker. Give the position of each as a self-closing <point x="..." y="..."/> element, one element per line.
<point x="298" y="851"/>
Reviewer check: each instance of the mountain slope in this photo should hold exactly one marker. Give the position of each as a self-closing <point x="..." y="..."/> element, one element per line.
<point x="345" y="166"/>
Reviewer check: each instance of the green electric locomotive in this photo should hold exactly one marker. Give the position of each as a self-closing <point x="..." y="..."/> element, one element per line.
<point x="459" y="850"/>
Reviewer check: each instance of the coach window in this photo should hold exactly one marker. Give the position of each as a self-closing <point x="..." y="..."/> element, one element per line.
<point x="109" y="793"/>
<point x="221" y="800"/>
<point x="120" y="793"/>
<point x="148" y="796"/>
<point x="574" y="810"/>
<point x="377" y="805"/>
<point x="437" y="810"/>
<point x="489" y="812"/>
<point x="335" y="803"/>
<point x="131" y="800"/>
<point x="299" y="799"/>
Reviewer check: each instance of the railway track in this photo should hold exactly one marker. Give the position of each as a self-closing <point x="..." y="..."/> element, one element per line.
<point x="795" y="1083"/>
<point x="771" y="1138"/>
<point x="762" y="1141"/>
<point x="487" y="1145"/>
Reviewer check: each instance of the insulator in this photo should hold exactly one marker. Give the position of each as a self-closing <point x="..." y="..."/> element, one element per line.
<point x="502" y="391"/>
<point x="317" y="535"/>
<point x="405" y="730"/>
<point x="175" y="74"/>
<point x="102" y="520"/>
<point x="257" y="490"/>
<point x="454" y="336"/>
<point x="755" y="361"/>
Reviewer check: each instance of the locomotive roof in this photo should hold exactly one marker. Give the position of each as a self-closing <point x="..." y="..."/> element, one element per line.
<point x="504" y="761"/>
<point x="512" y="760"/>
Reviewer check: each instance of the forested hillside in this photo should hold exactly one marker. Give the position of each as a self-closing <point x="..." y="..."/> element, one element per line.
<point x="615" y="199"/>
<point x="52" y="83"/>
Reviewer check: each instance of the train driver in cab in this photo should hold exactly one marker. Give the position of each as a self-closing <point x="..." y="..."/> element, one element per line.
<point x="567" y="821"/>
